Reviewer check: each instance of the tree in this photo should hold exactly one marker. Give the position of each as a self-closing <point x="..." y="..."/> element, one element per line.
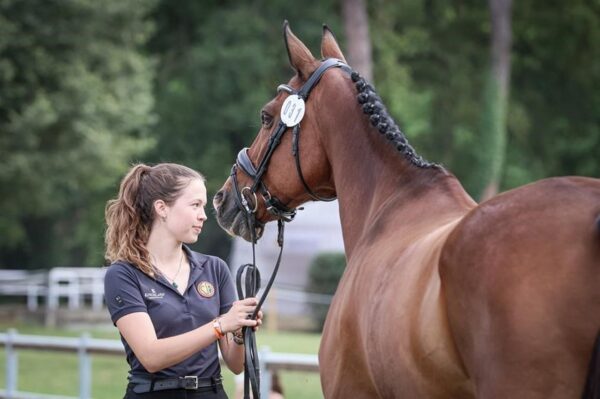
<point x="428" y="63"/>
<point x="494" y="133"/>
<point x="75" y="108"/>
<point x="431" y="62"/>
<point x="356" y="27"/>
<point x="213" y="79"/>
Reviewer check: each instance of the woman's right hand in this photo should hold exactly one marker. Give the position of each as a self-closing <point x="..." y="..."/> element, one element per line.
<point x="237" y="317"/>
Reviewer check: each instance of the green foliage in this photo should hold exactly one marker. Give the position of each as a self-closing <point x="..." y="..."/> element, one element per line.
<point x="324" y="275"/>
<point x="87" y="88"/>
<point x="219" y="63"/>
<point x="431" y="65"/>
<point x="75" y="108"/>
<point x="554" y="124"/>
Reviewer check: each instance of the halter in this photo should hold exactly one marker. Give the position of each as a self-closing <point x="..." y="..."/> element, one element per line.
<point x="275" y="207"/>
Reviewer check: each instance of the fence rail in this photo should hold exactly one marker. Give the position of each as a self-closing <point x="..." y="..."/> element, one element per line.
<point x="85" y="346"/>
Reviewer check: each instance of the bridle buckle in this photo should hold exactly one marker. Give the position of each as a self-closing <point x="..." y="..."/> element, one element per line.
<point x="245" y="201"/>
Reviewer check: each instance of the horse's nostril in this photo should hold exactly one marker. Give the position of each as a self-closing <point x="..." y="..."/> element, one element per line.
<point x="218" y="198"/>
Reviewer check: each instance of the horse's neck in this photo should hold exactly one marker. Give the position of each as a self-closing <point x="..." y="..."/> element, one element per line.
<point x="380" y="191"/>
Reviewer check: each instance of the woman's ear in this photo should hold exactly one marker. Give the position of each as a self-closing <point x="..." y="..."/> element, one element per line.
<point x="160" y="208"/>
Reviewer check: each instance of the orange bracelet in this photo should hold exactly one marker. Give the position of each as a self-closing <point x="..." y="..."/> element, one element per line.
<point x="217" y="328"/>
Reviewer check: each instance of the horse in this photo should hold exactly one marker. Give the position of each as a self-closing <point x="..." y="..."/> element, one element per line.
<point x="441" y="297"/>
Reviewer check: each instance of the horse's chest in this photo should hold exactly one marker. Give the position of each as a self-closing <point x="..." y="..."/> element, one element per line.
<point x="388" y="330"/>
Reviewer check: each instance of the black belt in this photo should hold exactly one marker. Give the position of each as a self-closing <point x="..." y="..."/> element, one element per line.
<point x="147" y="384"/>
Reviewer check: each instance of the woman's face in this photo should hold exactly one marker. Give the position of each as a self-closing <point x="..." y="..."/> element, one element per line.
<point x="186" y="215"/>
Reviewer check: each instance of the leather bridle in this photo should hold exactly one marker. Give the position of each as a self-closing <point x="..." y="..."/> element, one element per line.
<point x="273" y="205"/>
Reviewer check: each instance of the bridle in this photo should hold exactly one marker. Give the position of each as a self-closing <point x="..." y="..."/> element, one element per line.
<point x="290" y="118"/>
<point x="291" y="115"/>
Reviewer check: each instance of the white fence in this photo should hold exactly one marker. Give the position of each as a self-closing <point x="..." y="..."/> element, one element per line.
<point x="85" y="346"/>
<point x="77" y="284"/>
<point x="73" y="283"/>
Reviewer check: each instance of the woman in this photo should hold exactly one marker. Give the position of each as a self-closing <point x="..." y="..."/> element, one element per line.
<point x="170" y="304"/>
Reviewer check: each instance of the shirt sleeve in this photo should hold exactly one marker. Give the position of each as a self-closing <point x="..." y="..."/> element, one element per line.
<point x="226" y="287"/>
<point x="122" y="292"/>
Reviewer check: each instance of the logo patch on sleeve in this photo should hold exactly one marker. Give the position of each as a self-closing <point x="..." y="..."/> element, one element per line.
<point x="205" y="289"/>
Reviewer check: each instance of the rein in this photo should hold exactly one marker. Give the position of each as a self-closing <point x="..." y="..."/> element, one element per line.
<point x="291" y="115"/>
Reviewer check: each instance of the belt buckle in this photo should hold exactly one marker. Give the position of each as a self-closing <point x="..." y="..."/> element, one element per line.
<point x="190" y="382"/>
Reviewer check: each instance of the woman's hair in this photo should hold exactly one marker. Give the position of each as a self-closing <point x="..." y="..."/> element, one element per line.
<point x="129" y="217"/>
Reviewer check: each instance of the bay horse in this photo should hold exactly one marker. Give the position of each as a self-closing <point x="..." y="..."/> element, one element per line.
<point x="441" y="297"/>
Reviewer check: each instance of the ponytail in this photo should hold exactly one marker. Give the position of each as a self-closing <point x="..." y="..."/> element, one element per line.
<point x="129" y="217"/>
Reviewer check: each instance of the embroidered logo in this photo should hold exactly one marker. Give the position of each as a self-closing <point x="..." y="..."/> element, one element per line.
<point x="153" y="294"/>
<point x="119" y="300"/>
<point x="206" y="289"/>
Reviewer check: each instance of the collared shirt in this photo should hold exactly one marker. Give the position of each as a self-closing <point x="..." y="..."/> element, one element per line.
<point x="210" y="292"/>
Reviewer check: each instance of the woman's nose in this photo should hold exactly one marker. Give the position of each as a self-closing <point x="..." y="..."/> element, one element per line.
<point x="202" y="215"/>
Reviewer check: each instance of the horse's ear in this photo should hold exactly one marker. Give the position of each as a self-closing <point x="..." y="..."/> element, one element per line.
<point x="300" y="56"/>
<point x="329" y="46"/>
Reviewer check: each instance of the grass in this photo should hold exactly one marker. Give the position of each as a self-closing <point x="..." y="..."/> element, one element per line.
<point x="57" y="373"/>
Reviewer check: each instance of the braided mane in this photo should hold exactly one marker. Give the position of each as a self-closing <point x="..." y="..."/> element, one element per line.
<point x="385" y="124"/>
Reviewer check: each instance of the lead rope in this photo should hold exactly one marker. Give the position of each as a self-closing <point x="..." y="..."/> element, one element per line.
<point x="251" y="287"/>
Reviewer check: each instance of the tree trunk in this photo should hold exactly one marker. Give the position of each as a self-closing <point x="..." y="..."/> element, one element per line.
<point x="356" y="27"/>
<point x="496" y="98"/>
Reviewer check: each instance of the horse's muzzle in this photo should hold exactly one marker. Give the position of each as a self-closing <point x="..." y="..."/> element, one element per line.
<point x="233" y="219"/>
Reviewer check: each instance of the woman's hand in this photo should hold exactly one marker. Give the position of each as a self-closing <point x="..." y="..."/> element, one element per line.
<point x="237" y="317"/>
<point x="259" y="317"/>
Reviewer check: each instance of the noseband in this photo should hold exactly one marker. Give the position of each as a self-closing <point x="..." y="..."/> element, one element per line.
<point x="291" y="115"/>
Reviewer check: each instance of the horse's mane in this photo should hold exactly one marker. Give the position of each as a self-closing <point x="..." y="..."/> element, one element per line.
<point x="372" y="105"/>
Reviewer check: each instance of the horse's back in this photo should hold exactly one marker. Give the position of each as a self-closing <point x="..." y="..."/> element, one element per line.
<point x="521" y="274"/>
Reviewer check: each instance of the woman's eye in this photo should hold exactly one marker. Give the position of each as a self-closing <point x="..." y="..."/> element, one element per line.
<point x="266" y="119"/>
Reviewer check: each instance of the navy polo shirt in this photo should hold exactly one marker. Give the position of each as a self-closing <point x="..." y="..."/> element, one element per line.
<point x="210" y="293"/>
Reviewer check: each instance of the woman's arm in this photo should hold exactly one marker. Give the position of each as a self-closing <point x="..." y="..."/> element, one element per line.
<point x="156" y="354"/>
<point x="233" y="354"/>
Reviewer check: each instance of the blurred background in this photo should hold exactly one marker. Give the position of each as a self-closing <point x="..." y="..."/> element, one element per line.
<point x="501" y="94"/>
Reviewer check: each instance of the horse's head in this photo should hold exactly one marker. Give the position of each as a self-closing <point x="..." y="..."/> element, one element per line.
<point x="286" y="164"/>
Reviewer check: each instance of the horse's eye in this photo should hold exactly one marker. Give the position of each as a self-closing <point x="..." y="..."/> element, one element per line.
<point x="266" y="119"/>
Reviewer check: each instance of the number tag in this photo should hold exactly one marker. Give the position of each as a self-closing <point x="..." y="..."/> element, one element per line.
<point x="292" y="110"/>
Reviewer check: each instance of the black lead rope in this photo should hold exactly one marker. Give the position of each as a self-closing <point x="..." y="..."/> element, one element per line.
<point x="251" y="287"/>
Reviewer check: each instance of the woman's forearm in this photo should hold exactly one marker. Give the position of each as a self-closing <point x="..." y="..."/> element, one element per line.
<point x="157" y="354"/>
<point x="233" y="354"/>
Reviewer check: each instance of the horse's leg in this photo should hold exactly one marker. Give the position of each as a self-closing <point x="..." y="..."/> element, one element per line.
<point x="523" y="296"/>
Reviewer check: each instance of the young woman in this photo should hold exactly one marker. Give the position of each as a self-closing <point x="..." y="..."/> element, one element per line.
<point x="170" y="304"/>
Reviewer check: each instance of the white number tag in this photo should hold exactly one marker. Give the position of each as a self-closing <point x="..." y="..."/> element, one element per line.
<point x="292" y="110"/>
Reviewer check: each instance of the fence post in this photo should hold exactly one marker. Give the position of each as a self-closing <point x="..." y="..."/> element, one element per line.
<point x="85" y="368"/>
<point x="12" y="364"/>
<point x="265" y="375"/>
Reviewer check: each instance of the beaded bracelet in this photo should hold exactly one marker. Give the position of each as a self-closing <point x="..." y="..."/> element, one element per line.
<point x="238" y="337"/>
